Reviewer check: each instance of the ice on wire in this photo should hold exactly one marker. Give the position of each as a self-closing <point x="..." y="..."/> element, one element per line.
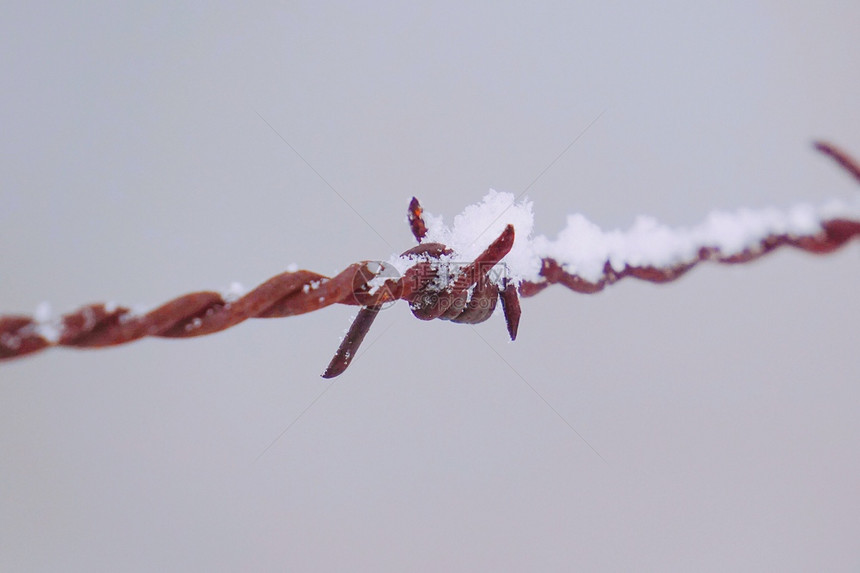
<point x="583" y="248"/>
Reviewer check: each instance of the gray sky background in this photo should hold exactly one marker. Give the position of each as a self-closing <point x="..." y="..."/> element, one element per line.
<point x="135" y="167"/>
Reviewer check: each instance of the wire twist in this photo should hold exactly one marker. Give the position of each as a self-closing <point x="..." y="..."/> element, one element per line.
<point x="834" y="234"/>
<point x="194" y="314"/>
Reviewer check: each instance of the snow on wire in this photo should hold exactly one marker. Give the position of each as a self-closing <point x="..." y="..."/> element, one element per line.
<point x="436" y="282"/>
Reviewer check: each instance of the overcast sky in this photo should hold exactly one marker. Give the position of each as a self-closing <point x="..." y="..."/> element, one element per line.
<point x="705" y="425"/>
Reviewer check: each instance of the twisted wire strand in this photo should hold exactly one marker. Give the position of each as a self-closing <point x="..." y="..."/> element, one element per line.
<point x="194" y="314"/>
<point x="834" y="234"/>
<point x="299" y="292"/>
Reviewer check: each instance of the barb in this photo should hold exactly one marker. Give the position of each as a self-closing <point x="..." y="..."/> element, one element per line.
<point x="469" y="296"/>
<point x="842" y="158"/>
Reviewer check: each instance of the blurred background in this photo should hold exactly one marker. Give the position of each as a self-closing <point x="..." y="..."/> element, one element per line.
<point x="149" y="151"/>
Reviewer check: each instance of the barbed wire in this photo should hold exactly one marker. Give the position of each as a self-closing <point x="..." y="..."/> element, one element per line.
<point x="471" y="298"/>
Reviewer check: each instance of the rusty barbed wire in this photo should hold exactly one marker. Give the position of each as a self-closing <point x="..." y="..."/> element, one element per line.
<point x="471" y="298"/>
<point x="834" y="233"/>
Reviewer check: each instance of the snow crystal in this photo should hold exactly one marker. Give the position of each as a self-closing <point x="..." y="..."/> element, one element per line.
<point x="136" y="311"/>
<point x="292" y="267"/>
<point x="46" y="325"/>
<point x="233" y="293"/>
<point x="50" y="331"/>
<point x="480" y="224"/>
<point x="473" y="230"/>
<point x="313" y="285"/>
<point x="195" y="323"/>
